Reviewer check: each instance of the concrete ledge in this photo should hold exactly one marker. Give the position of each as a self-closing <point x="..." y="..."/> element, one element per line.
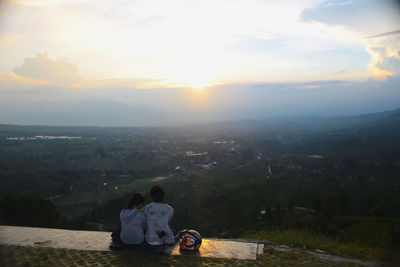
<point x="100" y="241"/>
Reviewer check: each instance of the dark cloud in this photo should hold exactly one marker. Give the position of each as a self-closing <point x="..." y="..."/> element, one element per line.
<point x="384" y="34"/>
<point x="43" y="67"/>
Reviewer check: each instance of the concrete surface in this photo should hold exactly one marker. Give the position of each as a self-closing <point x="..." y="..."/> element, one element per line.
<point x="100" y="241"/>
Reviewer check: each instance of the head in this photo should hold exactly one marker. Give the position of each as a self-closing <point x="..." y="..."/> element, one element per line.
<point x="136" y="201"/>
<point x="157" y="193"/>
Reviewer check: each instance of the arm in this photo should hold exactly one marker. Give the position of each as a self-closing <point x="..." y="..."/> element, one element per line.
<point x="170" y="214"/>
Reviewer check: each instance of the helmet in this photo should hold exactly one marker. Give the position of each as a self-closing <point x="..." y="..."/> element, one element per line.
<point x="190" y="240"/>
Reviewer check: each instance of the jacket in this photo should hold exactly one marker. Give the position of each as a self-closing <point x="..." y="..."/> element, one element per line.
<point x="133" y="225"/>
<point x="158" y="217"/>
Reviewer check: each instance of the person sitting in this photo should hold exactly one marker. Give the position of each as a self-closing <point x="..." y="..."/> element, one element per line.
<point x="133" y="221"/>
<point x="158" y="217"/>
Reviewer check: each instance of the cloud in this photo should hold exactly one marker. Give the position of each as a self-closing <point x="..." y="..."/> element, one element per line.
<point x="123" y="82"/>
<point x="12" y="81"/>
<point x="311" y="86"/>
<point x="43" y="67"/>
<point x="45" y="2"/>
<point x="339" y="3"/>
<point x="385" y="54"/>
<point x="366" y="17"/>
<point x="384" y="34"/>
<point x="8" y="40"/>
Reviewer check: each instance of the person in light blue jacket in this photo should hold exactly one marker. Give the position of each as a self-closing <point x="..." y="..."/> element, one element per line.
<point x="133" y="221"/>
<point x="158" y="217"/>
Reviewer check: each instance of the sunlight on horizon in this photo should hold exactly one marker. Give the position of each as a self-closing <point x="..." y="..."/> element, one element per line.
<point x="201" y="85"/>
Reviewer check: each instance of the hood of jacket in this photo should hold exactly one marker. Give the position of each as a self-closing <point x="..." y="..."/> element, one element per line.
<point x="157" y="209"/>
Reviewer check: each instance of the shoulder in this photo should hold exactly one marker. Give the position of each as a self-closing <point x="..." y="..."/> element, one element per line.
<point x="166" y="206"/>
<point x="147" y="207"/>
<point x="141" y="213"/>
<point x="124" y="213"/>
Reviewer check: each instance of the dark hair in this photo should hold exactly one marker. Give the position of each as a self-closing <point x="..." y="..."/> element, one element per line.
<point x="137" y="198"/>
<point x="157" y="193"/>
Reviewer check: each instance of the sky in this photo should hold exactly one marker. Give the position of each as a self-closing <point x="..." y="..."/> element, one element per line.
<point x="171" y="62"/>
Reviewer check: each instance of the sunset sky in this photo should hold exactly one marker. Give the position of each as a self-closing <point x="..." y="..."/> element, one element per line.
<point x="146" y="62"/>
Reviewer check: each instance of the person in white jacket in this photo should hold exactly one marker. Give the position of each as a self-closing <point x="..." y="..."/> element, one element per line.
<point x="158" y="217"/>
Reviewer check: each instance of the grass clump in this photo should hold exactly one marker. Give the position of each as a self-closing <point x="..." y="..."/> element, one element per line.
<point x="306" y="239"/>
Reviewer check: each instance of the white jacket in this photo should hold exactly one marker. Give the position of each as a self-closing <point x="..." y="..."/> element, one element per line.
<point x="158" y="216"/>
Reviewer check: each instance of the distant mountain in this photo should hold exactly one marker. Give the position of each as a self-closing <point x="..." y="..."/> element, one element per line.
<point x="330" y="123"/>
<point x="387" y="120"/>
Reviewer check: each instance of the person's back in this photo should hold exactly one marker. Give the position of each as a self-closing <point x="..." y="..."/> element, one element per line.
<point x="133" y="221"/>
<point x="158" y="216"/>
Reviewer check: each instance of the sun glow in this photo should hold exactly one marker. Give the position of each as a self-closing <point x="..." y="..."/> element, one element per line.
<point x="201" y="85"/>
<point x="196" y="72"/>
<point x="197" y="84"/>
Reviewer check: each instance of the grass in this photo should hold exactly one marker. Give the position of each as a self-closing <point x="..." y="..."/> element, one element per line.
<point x="311" y="241"/>
<point x="372" y="231"/>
